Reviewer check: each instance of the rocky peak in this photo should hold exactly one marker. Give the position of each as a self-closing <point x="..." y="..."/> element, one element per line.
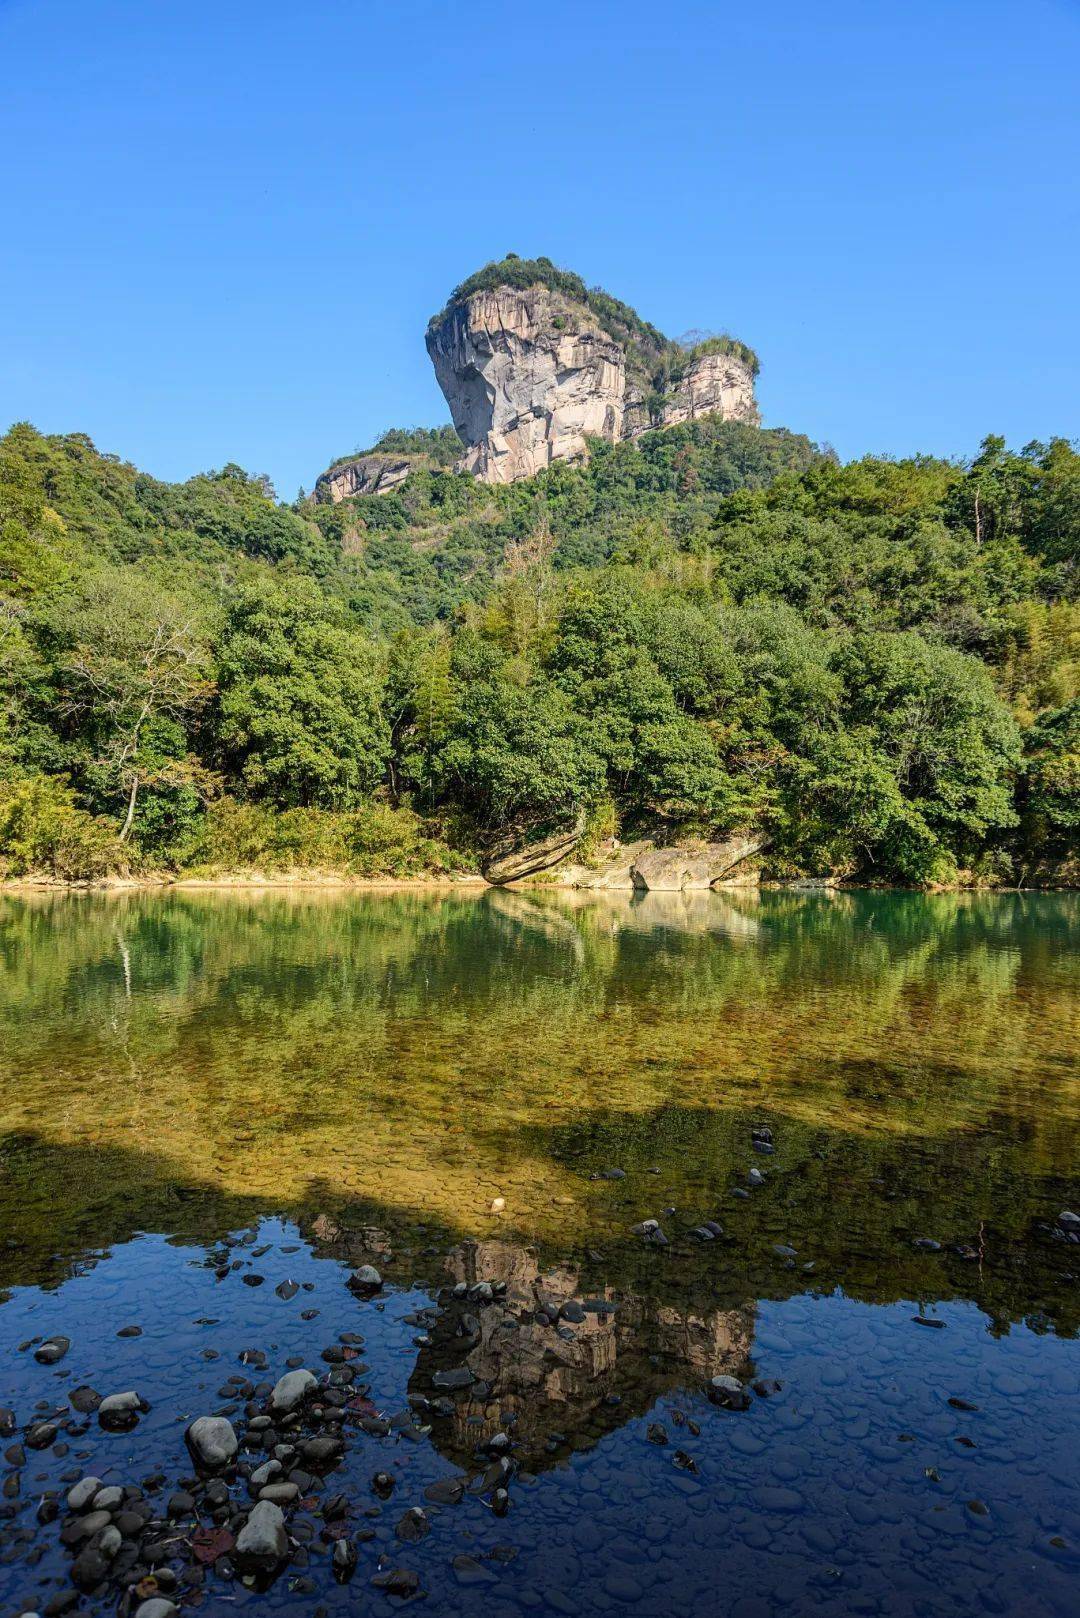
<point x="533" y="365"/>
<point x="529" y="375"/>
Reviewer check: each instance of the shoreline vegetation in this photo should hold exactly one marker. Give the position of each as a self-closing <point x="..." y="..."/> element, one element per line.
<point x="456" y="881"/>
<point x="874" y="666"/>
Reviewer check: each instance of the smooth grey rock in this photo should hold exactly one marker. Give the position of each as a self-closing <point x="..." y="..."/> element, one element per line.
<point x="291" y="1389"/>
<point x="211" y="1440"/>
<point x="120" y="1410"/>
<point x="156" y="1607"/>
<point x="367" y="1278"/>
<point x="282" y="1494"/>
<point x="91" y="1524"/>
<point x="80" y="1495"/>
<point x="263" y="1541"/>
<point x="110" y="1541"/>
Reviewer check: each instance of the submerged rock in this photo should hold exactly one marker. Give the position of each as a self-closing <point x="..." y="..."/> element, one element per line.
<point x="729" y="1392"/>
<point x="343" y="1560"/>
<point x="52" y="1350"/>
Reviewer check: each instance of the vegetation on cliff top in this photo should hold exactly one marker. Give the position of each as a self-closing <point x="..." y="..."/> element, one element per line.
<point x="649" y="353"/>
<point x="880" y="662"/>
<point x="431" y="446"/>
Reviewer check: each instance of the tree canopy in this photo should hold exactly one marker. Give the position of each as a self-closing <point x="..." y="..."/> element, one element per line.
<point x="877" y="663"/>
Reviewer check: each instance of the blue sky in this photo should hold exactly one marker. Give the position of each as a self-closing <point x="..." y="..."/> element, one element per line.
<point x="225" y="224"/>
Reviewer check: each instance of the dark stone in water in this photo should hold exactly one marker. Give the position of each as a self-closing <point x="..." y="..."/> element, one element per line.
<point x="397" y="1581"/>
<point x="413" y="1526"/>
<point x="287" y="1290"/>
<point x="459" y="1376"/>
<point x="729" y="1392"/>
<point x="52" y="1350"/>
<point x="445" y="1491"/>
<point x="253" y="1280"/>
<point x="42" y="1434"/>
<point x="130" y="1331"/>
<point x="60" y="1603"/>
<point x="657" y="1433"/>
<point x="927" y="1320"/>
<point x="89" y="1569"/>
<point x="343" y="1560"/>
<point x="469" y="1571"/>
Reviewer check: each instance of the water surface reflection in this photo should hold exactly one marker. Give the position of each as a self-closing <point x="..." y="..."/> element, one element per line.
<point x="346" y="1080"/>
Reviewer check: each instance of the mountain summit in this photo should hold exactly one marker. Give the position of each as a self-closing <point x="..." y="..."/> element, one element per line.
<point x="533" y="364"/>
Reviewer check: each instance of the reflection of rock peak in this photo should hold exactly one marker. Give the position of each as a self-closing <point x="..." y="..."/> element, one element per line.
<point x="577" y="1370"/>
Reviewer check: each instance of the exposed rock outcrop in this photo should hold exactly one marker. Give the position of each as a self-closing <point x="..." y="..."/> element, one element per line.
<point x="667" y="870"/>
<point x="671" y="870"/>
<point x="514" y="857"/>
<point x="530" y="374"/>
<point x="367" y="474"/>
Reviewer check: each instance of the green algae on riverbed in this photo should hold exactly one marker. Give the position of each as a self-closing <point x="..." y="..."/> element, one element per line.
<point x="175" y="1058"/>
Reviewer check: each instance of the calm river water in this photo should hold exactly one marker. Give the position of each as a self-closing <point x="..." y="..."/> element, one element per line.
<point x="855" y="1119"/>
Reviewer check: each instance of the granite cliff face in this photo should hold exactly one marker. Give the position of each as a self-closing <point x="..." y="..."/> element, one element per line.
<point x="528" y="377"/>
<point x="530" y="374"/>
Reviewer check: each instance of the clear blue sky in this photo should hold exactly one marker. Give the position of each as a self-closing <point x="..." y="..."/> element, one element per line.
<point x="225" y="224"/>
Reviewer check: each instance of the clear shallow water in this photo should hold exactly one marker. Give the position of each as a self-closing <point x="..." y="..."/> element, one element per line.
<point x="356" y="1078"/>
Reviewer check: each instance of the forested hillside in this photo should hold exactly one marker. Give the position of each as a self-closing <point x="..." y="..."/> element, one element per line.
<point x="710" y="627"/>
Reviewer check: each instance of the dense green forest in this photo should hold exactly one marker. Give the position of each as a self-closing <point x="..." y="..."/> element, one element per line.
<point x="709" y="627"/>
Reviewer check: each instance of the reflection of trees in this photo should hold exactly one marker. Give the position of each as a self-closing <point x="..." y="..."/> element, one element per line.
<point x="424" y="1051"/>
